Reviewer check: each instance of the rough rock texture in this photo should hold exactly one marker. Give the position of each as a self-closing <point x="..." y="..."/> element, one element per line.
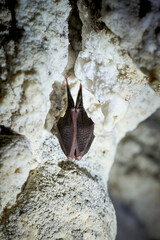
<point x="53" y="206"/>
<point x="34" y="41"/>
<point x="109" y="73"/>
<point x="135" y="176"/>
<point x="14" y="165"/>
<point x="35" y="56"/>
<point x="137" y="24"/>
<point x="33" y="61"/>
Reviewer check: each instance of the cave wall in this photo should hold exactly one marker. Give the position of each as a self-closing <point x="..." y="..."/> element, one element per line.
<point x="134" y="178"/>
<point x="41" y="42"/>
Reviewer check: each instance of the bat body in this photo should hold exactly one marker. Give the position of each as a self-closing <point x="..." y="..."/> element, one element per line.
<point x="75" y="129"/>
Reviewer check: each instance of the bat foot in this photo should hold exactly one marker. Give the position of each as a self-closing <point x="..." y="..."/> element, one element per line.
<point x="69" y="158"/>
<point x="78" y="158"/>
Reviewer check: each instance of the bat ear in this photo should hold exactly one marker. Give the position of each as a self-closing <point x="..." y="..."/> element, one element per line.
<point x="79" y="102"/>
<point x="69" y="96"/>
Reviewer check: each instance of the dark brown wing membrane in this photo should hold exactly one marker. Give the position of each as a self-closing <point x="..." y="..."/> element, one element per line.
<point x="79" y="101"/>
<point x="69" y="97"/>
<point x="65" y="125"/>
<point x="85" y="136"/>
<point x="65" y="132"/>
<point x="75" y="129"/>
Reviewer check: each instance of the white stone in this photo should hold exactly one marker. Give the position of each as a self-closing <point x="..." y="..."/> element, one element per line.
<point x="116" y="96"/>
<point x="14" y="168"/>
<point x="137" y="25"/>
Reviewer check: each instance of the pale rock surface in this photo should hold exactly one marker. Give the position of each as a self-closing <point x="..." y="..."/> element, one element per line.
<point x="137" y="24"/>
<point x="106" y="69"/>
<point x="33" y="43"/>
<point x="53" y="206"/>
<point x="14" y="167"/>
<point x="116" y="96"/>
<point x="135" y="176"/>
<point x="37" y="59"/>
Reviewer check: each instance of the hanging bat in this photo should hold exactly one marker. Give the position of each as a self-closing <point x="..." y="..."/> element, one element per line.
<point x="75" y="129"/>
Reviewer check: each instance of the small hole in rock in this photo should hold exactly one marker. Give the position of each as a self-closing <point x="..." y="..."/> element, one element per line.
<point x="18" y="170"/>
<point x="115" y="117"/>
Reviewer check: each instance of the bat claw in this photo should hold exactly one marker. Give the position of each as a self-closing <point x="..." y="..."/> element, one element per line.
<point x="78" y="158"/>
<point x="69" y="158"/>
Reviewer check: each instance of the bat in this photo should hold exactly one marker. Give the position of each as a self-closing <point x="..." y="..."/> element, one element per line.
<point x="75" y="129"/>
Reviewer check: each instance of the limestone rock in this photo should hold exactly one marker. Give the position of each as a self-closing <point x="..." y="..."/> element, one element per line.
<point x="36" y="56"/>
<point x="107" y="70"/>
<point x="60" y="201"/>
<point x="34" y="44"/>
<point x="135" y="175"/>
<point x="137" y="24"/>
<point x="14" y="167"/>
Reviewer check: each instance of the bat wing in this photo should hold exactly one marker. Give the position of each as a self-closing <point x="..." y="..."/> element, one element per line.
<point x="85" y="136"/>
<point x="65" y="132"/>
<point x="65" y="125"/>
<point x="75" y="129"/>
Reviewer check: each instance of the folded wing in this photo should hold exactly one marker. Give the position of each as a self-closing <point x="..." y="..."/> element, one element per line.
<point x="65" y="132"/>
<point x="85" y="136"/>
